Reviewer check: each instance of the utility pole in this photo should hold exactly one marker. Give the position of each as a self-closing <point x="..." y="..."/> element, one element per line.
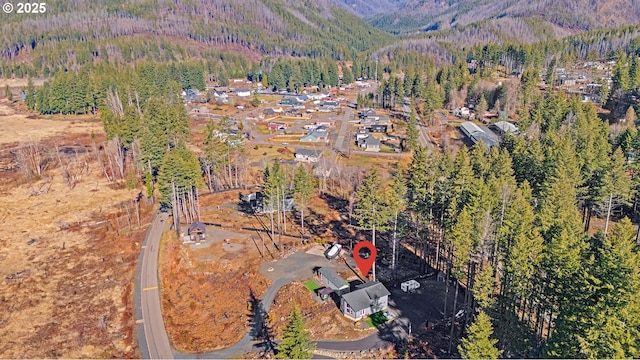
<point x="606" y="224"/>
<point x="393" y="254"/>
<point x="374" y="241"/>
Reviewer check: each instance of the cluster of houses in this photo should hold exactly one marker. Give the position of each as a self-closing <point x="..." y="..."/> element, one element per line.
<point x="366" y="299"/>
<point x="370" y="123"/>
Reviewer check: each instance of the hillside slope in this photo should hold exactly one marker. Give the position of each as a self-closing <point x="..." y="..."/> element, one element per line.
<point x="571" y="15"/>
<point x="79" y="30"/>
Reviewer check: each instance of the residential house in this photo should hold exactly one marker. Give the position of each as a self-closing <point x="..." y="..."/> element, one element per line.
<point x="368" y="299"/>
<point x="370" y="143"/>
<point x="461" y="112"/>
<point x="220" y="95"/>
<point x="333" y="281"/>
<point x="361" y="134"/>
<point x="243" y="92"/>
<point x="288" y="101"/>
<point x="377" y="128"/>
<point x="327" y="123"/>
<point x="366" y="113"/>
<point x="269" y="112"/>
<point x="316" y="135"/>
<point x="306" y="155"/>
<point x="276" y="125"/>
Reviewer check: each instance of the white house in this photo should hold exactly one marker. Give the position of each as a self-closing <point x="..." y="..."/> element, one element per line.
<point x="243" y="92"/>
<point x="306" y="155"/>
<point x="369" y="298"/>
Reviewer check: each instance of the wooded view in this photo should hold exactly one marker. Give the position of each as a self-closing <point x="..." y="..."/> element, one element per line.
<point x="300" y="124"/>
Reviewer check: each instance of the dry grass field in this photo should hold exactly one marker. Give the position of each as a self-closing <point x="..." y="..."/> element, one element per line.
<point x="66" y="260"/>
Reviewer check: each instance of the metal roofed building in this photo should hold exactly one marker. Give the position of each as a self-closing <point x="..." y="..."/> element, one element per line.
<point x="333" y="280"/>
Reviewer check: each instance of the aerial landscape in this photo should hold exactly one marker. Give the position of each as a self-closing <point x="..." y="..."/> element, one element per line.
<point x="332" y="179"/>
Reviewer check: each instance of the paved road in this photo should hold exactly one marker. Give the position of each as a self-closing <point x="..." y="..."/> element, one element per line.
<point x="155" y="333"/>
<point x="152" y="336"/>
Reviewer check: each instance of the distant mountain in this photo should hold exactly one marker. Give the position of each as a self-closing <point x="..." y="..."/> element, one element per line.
<point x="556" y="17"/>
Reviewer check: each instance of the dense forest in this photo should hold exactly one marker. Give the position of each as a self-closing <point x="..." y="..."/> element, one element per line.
<point x="71" y="34"/>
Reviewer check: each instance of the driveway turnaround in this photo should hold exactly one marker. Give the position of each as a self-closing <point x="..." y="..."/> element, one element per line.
<point x="152" y="335"/>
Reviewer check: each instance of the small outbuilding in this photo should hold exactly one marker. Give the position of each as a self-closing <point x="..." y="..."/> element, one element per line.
<point x="197" y="231"/>
<point x="333" y="280"/>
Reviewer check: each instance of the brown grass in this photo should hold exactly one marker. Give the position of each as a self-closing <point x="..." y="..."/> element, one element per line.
<point x="204" y="302"/>
<point x="19" y="126"/>
<point x="67" y="270"/>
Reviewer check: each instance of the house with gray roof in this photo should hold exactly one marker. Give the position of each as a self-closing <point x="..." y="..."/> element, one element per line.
<point x="333" y="280"/>
<point x="306" y="155"/>
<point x="316" y="135"/>
<point x="369" y="298"/>
<point x="369" y="143"/>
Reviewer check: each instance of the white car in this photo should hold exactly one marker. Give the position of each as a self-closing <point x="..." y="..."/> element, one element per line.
<point x="333" y="251"/>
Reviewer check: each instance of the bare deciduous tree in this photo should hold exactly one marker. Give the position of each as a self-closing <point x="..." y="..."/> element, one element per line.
<point x="33" y="159"/>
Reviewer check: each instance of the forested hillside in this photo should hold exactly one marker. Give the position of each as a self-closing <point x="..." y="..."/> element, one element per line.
<point x="74" y="33"/>
<point x="571" y="15"/>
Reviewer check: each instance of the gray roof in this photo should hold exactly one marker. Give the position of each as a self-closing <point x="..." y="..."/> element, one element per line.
<point x="305" y="152"/>
<point x="197" y="226"/>
<point x="375" y="289"/>
<point x="470" y="128"/>
<point x="506" y="127"/>
<point x="363" y="297"/>
<point x="335" y="281"/>
<point x="358" y="300"/>
<point x="370" y="141"/>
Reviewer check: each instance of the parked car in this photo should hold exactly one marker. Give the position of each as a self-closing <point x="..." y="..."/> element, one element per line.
<point x="333" y="251"/>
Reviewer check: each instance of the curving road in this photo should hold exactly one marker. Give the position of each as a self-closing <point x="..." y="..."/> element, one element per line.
<point x="152" y="336"/>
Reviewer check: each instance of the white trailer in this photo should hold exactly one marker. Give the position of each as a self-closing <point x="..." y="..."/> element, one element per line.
<point x="409" y="286"/>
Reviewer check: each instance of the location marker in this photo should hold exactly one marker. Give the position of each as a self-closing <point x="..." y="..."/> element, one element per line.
<point x="364" y="253"/>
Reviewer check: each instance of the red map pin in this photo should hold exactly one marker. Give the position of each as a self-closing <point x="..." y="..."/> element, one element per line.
<point x="364" y="253"/>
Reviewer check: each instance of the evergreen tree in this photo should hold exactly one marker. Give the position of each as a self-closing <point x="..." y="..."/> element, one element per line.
<point x="303" y="188"/>
<point x="296" y="341"/>
<point x="30" y="99"/>
<point x="372" y="208"/>
<point x="8" y="93"/>
<point x="412" y="130"/>
<point x="613" y="329"/>
<point x="180" y="167"/>
<point x="347" y="75"/>
<point x="478" y="344"/>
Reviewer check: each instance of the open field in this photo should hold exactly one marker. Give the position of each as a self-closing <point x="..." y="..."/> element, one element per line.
<point x="22" y="127"/>
<point x="66" y="259"/>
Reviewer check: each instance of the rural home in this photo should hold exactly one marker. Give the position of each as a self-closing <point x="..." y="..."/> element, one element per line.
<point x="243" y="92"/>
<point x="195" y="232"/>
<point x="369" y="298"/>
<point x="306" y="155"/>
<point x="276" y="125"/>
<point x="333" y="281"/>
<point x="288" y="101"/>
<point x="370" y="143"/>
<point x="316" y="135"/>
<point x="362" y="133"/>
